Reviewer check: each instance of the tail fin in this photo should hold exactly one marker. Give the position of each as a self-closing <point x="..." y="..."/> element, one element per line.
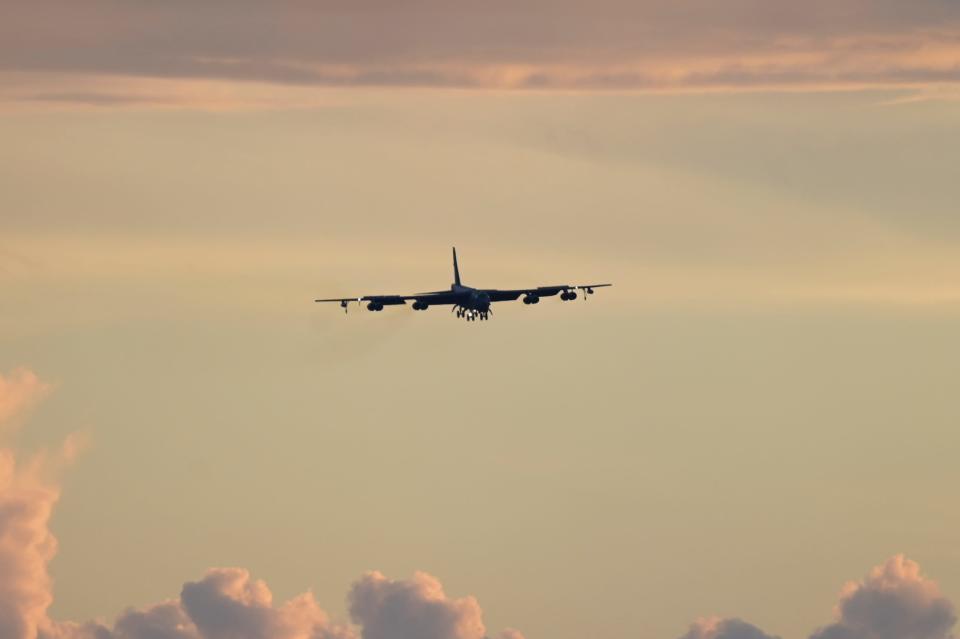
<point x="456" y="269"/>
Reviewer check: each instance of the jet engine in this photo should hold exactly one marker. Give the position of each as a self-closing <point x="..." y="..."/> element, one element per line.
<point x="531" y="299"/>
<point x="374" y="306"/>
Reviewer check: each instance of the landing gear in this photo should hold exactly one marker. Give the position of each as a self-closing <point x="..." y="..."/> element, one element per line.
<point x="472" y="315"/>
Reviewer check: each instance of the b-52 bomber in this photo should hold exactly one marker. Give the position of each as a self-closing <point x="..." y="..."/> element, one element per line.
<point x="468" y="302"/>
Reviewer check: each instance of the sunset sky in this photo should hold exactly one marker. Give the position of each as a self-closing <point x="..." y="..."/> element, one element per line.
<point x="753" y="434"/>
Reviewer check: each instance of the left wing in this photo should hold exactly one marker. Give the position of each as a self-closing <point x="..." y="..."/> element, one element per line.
<point x="377" y="302"/>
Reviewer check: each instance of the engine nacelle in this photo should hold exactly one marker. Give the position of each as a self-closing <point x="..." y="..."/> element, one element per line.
<point x="420" y="306"/>
<point x="566" y="296"/>
<point x="374" y="306"/>
<point x="531" y="299"/>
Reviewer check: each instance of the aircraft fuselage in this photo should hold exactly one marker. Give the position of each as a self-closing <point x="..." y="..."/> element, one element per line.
<point x="472" y="298"/>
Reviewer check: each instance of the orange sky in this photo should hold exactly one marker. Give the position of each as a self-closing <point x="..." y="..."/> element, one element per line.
<point x="760" y="410"/>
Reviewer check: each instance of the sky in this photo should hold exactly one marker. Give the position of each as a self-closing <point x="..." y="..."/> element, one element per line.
<point x="751" y="435"/>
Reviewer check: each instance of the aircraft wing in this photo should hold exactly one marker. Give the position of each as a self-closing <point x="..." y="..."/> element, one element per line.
<point x="433" y="298"/>
<point x="436" y="298"/>
<point x="497" y="295"/>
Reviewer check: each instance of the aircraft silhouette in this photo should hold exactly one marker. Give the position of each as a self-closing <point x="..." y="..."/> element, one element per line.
<point x="468" y="302"/>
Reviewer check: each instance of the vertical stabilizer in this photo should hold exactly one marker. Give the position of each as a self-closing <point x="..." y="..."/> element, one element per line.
<point x="456" y="269"/>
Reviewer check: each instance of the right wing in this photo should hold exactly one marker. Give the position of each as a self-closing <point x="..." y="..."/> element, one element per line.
<point x="497" y="295"/>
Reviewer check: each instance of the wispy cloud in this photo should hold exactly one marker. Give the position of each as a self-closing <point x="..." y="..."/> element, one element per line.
<point x="19" y="391"/>
<point x="650" y="45"/>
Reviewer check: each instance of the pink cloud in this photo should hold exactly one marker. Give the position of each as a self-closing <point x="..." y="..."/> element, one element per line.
<point x="226" y="603"/>
<point x="894" y="601"/>
<point x="415" y="608"/>
<point x="607" y="44"/>
<point x="19" y="390"/>
<point x="716" y="628"/>
<point x="26" y="546"/>
<point x="26" y="503"/>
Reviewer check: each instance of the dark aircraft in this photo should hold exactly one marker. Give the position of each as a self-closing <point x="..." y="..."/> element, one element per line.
<point x="468" y="302"/>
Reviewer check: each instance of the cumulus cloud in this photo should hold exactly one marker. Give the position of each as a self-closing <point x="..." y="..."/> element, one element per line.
<point x="26" y="546"/>
<point x="894" y="601"/>
<point x="717" y="628"/>
<point x="226" y="603"/>
<point x="416" y="608"/>
<point x="26" y="503"/>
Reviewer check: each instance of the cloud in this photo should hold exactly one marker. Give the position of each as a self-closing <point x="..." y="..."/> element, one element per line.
<point x="412" y="609"/>
<point x="26" y="503"/>
<point x="608" y="44"/>
<point x="26" y="546"/>
<point x="717" y="628"/>
<point x="226" y="603"/>
<point x="19" y="390"/>
<point x="893" y="602"/>
<point x="162" y="621"/>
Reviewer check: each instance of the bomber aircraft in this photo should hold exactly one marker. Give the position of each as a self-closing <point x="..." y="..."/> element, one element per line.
<point x="468" y="302"/>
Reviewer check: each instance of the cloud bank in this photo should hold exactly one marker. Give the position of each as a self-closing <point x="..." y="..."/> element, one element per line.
<point x="226" y="603"/>
<point x="894" y="601"/>
<point x="529" y="44"/>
